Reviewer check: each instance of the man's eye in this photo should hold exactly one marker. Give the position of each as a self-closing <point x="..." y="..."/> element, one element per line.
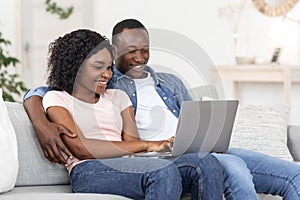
<point x="145" y="50"/>
<point x="132" y="51"/>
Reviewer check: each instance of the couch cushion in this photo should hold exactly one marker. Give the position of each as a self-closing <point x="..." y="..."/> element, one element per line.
<point x="262" y="128"/>
<point x="34" y="168"/>
<point x="58" y="192"/>
<point x="8" y="150"/>
<point x="294" y="141"/>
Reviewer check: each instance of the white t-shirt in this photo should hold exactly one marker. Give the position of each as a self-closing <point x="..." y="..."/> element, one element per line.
<point x="101" y="120"/>
<point x="154" y="120"/>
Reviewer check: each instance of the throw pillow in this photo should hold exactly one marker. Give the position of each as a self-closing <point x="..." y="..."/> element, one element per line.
<point x="8" y="150"/>
<point x="262" y="128"/>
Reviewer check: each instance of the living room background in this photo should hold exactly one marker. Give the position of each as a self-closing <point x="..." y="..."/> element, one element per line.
<point x="30" y="29"/>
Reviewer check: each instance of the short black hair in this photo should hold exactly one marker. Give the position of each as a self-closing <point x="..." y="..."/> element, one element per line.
<point x="66" y="55"/>
<point x="126" y="24"/>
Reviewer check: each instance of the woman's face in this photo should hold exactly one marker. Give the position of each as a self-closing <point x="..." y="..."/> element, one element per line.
<point x="95" y="73"/>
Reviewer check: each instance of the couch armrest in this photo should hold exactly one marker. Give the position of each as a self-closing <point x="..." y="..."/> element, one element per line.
<point x="294" y="141"/>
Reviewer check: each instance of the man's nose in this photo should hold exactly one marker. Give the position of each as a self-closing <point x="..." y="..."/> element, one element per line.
<point x="139" y="57"/>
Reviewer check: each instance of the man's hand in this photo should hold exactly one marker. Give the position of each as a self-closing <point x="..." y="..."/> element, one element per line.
<point x="48" y="133"/>
<point x="50" y="141"/>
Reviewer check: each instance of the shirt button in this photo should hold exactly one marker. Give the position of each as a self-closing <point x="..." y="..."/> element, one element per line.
<point x="133" y="95"/>
<point x="131" y="82"/>
<point x="164" y="98"/>
<point x="174" y="111"/>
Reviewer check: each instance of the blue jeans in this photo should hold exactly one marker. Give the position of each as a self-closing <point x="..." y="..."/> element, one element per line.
<point x="136" y="178"/>
<point x="248" y="172"/>
<point x="151" y="178"/>
<point x="201" y="174"/>
<point x="238" y="182"/>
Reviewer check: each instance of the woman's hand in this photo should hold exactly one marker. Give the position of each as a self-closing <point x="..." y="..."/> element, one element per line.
<point x="164" y="145"/>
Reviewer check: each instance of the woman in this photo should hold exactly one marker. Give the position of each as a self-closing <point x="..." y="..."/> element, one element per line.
<point x="79" y="66"/>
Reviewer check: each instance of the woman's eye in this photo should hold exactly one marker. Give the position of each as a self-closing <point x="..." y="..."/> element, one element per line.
<point x="99" y="67"/>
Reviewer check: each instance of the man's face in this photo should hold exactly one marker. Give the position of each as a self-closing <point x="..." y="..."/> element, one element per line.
<point x="132" y="52"/>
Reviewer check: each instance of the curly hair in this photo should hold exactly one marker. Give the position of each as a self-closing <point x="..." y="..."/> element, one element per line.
<point x="67" y="53"/>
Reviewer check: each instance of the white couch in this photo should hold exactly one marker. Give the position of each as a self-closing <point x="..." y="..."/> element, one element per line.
<point x="40" y="179"/>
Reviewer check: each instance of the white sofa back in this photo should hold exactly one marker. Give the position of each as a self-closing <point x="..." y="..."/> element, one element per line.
<point x="34" y="168"/>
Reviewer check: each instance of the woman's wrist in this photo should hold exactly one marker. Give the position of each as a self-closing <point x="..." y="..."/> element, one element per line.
<point x="146" y="145"/>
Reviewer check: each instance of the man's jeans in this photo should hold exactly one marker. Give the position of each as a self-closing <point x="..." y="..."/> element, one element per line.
<point x="248" y="173"/>
<point x="151" y="178"/>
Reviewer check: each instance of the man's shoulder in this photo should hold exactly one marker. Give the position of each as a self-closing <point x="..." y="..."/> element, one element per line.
<point x="167" y="76"/>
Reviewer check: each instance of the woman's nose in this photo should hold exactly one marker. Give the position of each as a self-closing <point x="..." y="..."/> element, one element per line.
<point x="107" y="73"/>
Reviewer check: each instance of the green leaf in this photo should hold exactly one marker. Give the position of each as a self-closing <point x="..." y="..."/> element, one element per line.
<point x="53" y="8"/>
<point x="9" y="81"/>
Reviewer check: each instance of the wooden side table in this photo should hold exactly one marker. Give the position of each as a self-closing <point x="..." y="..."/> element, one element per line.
<point x="269" y="73"/>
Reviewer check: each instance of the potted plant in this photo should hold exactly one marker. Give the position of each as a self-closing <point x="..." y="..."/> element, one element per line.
<point x="10" y="82"/>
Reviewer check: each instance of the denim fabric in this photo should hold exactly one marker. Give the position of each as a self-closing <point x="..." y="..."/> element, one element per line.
<point x="152" y="178"/>
<point x="202" y="176"/>
<point x="169" y="87"/>
<point x="136" y="178"/>
<point x="270" y="175"/>
<point x="40" y="91"/>
<point x="238" y="179"/>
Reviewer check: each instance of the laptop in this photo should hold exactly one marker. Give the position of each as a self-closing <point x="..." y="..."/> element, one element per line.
<point x="203" y="126"/>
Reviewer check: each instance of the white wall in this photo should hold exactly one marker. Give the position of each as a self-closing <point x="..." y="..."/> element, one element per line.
<point x="8" y="26"/>
<point x="199" y="22"/>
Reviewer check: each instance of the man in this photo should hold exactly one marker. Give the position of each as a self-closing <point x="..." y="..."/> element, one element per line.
<point x="202" y="176"/>
<point x="161" y="94"/>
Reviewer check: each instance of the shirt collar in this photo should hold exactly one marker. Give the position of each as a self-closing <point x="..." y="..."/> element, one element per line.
<point x="156" y="79"/>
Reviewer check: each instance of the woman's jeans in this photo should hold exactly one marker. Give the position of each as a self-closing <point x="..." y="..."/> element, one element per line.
<point x="247" y="173"/>
<point x="151" y="178"/>
<point x="202" y="175"/>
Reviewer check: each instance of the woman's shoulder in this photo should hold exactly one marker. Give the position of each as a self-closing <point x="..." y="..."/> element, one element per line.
<point x="57" y="98"/>
<point x="56" y="95"/>
<point x="117" y="96"/>
<point x="115" y="92"/>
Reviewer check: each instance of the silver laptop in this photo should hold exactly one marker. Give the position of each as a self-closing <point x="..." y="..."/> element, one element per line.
<point x="203" y="126"/>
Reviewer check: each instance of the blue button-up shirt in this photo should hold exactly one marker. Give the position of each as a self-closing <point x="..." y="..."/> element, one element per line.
<point x="168" y="86"/>
<point x="40" y="91"/>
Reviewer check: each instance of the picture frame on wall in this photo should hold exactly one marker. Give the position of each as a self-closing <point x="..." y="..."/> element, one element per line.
<point x="276" y="54"/>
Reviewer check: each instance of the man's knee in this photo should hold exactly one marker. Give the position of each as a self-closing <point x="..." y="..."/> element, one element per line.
<point x="212" y="163"/>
